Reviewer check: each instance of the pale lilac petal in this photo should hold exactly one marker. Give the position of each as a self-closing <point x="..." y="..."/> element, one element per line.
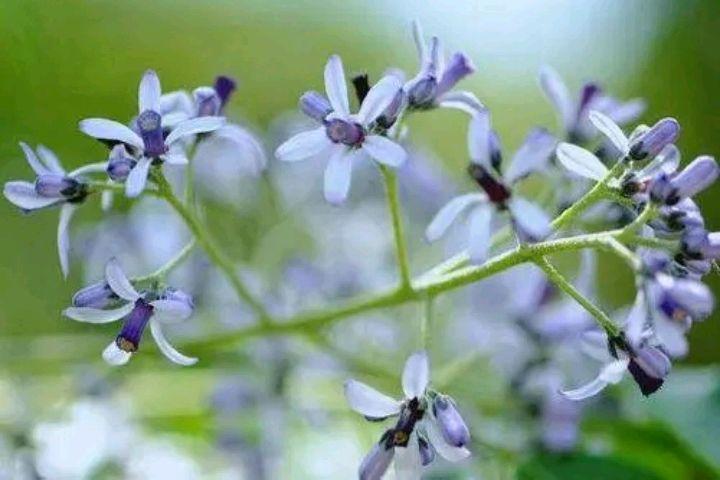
<point x="461" y="100"/>
<point x="557" y="93"/>
<point x="419" y="41"/>
<point x="63" y="237"/>
<point x="581" y="162"/>
<point x="384" y="151"/>
<point x="97" y="315"/>
<point x="99" y="167"/>
<point x="447" y="214"/>
<point x="336" y="86"/>
<point x="614" y="371"/>
<point x="119" y="282"/>
<point x="479" y="233"/>
<point x="636" y="320"/>
<point x="194" y="126"/>
<point x="171" y="311"/>
<point x="408" y="464"/>
<point x="338" y="175"/>
<point x="114" y="356"/>
<point x="532" y="156"/>
<point x="149" y="92"/>
<point x="588" y="390"/>
<point x="369" y="402"/>
<point x="38" y="167"/>
<point x="303" y="145"/>
<point x="23" y="195"/>
<point x="447" y="451"/>
<point x="627" y="112"/>
<point x="378" y="99"/>
<point x="611" y="373"/>
<point x="531" y="221"/>
<point x="167" y="349"/>
<point x="136" y="180"/>
<point x="610" y="129"/>
<point x="416" y="375"/>
<point x="110" y="130"/>
<point x="479" y="139"/>
<point x="51" y="161"/>
<point x="671" y="335"/>
<point x="178" y="158"/>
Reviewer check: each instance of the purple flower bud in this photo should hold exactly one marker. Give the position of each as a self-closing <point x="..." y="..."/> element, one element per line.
<point x="693" y="242"/>
<point x="376" y="462"/>
<point x="662" y="191"/>
<point x="451" y="424"/>
<point x="134" y="326"/>
<point x="649" y="367"/>
<point x="391" y="113"/>
<point x="224" y="86"/>
<point x="459" y="67"/>
<point x="341" y="131"/>
<point x="315" y="105"/>
<point x="697" y="176"/>
<point x="496" y="191"/>
<point x="680" y="298"/>
<point x="57" y="186"/>
<point x="207" y="102"/>
<point x="120" y="163"/>
<point x="650" y="143"/>
<point x="423" y="92"/>
<point x="99" y="295"/>
<point x="149" y="124"/>
<point x="427" y="452"/>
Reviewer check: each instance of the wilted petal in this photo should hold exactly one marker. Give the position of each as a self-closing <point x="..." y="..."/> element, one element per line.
<point x="149" y="92"/>
<point x="581" y="162"/>
<point x="338" y="175"/>
<point x="194" y="126"/>
<point x="23" y="195"/>
<point x="532" y="156"/>
<point x="531" y="222"/>
<point x="114" y="356"/>
<point x="119" y="282"/>
<point x="416" y="375"/>
<point x="479" y="233"/>
<point x="167" y="349"/>
<point x="303" y="145"/>
<point x="63" y="237"/>
<point x="378" y="99"/>
<point x="369" y="402"/>
<point x="448" y="452"/>
<point x="97" y="315"/>
<point x="384" y="150"/>
<point x="557" y="92"/>
<point x="111" y="130"/>
<point x="336" y="86"/>
<point x="137" y="178"/>
<point x="610" y="129"/>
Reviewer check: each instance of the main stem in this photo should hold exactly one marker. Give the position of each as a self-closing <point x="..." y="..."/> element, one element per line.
<point x="391" y="185"/>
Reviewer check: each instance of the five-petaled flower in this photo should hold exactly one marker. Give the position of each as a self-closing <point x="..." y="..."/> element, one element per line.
<point x="137" y="309"/>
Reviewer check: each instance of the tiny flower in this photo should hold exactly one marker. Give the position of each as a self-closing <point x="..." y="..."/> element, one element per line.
<point x="669" y="188"/>
<point x="531" y="223"/>
<point x="651" y="142"/>
<point x="149" y="142"/>
<point x="346" y="138"/>
<point x="426" y="422"/>
<point x="138" y="310"/>
<point x="53" y="187"/>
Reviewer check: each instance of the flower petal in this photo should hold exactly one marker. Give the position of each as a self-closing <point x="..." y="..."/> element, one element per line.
<point x="416" y="375"/>
<point x="149" y="92"/>
<point x="38" y="167"/>
<point x="51" y="161"/>
<point x="384" y="151"/>
<point x="336" y="86"/>
<point x="588" y="390"/>
<point x="338" y="175"/>
<point x="531" y="222"/>
<point x="246" y="145"/>
<point x="23" y="195"/>
<point x="193" y="126"/>
<point x="532" y="156"/>
<point x="378" y="99"/>
<point x="479" y="233"/>
<point x="175" y="158"/>
<point x="170" y="311"/>
<point x="581" y="162"/>
<point x="303" y="145"/>
<point x="461" y="100"/>
<point x="167" y="349"/>
<point x="408" y="464"/>
<point x="479" y="139"/>
<point x="105" y="129"/>
<point x="97" y="315"/>
<point x="119" y="282"/>
<point x="99" y="167"/>
<point x="136" y="180"/>
<point x="614" y="371"/>
<point x="447" y="214"/>
<point x="447" y="451"/>
<point x="369" y="402"/>
<point x="610" y="129"/>
<point x="557" y="93"/>
<point x="63" y="237"/>
<point x="114" y="356"/>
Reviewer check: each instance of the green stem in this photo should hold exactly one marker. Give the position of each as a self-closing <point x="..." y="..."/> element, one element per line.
<point x="391" y="185"/>
<point x="426" y="322"/>
<point x="162" y="272"/>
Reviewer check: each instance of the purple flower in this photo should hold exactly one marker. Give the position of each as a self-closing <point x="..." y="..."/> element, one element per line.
<point x="149" y="142"/>
<point x="53" y="187"/>
<point x="346" y="138"/>
<point x="138" y="311"/>
<point x="669" y="188"/>
<point x="531" y="223"/>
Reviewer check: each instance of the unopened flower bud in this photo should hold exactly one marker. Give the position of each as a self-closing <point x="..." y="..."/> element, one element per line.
<point x="207" y="102"/>
<point x="315" y="105"/>
<point x="98" y="295"/>
<point x="697" y="176"/>
<point x="650" y="143"/>
<point x="452" y="426"/>
<point x="52" y="185"/>
<point x="224" y="87"/>
<point x="649" y="367"/>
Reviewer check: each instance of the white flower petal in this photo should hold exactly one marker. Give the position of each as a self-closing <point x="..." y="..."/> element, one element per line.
<point x="581" y="162"/>
<point x="149" y="92"/>
<point x="614" y="371"/>
<point x="171" y="311"/>
<point x="478" y="138"/>
<point x="531" y="221"/>
<point x="119" y="282"/>
<point x="408" y="464"/>
<point x="97" y="315"/>
<point x="63" y="237"/>
<point x="461" y="100"/>
<point x="588" y="390"/>
<point x="51" y="161"/>
<point x="303" y="145"/>
<point x="378" y="99"/>
<point x="416" y="375"/>
<point x="448" y="213"/>
<point x="136" y="180"/>
<point x="447" y="451"/>
<point x="194" y="126"/>
<point x="105" y="129"/>
<point x="557" y="92"/>
<point x="384" y="150"/>
<point x="336" y="86"/>
<point x="174" y="158"/>
<point x="23" y="195"/>
<point x="338" y="175"/>
<point x="610" y="129"/>
<point x="479" y="233"/>
<point x="369" y="402"/>
<point x="167" y="349"/>
<point x="114" y="356"/>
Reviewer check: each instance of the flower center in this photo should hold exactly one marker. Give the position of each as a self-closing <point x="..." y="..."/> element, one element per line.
<point x="341" y="131"/>
<point x="134" y="326"/>
<point x="150" y="125"/>
<point x="496" y="191"/>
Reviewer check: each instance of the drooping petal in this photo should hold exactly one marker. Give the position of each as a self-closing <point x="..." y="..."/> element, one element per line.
<point x="336" y="86"/>
<point x="97" y="315"/>
<point x="479" y="139"/>
<point x="338" y="175"/>
<point x="119" y="282"/>
<point x="581" y="162"/>
<point x="532" y="156"/>
<point x="378" y="99"/>
<point x="611" y="373"/>
<point x="194" y="126"/>
<point x="408" y="463"/>
<point x="149" y="92"/>
<point x="384" y="150"/>
<point x="369" y="402"/>
<point x="137" y="178"/>
<point x="170" y="311"/>
<point x="416" y="375"/>
<point x="557" y="93"/>
<point x="611" y="130"/>
<point x="479" y="233"/>
<point x="51" y="161"/>
<point x="531" y="222"/>
<point x="114" y="356"/>
<point x="447" y="214"/>
<point x="448" y="452"/>
<point x="461" y="100"/>
<point x="105" y="129"/>
<point x="63" y="237"/>
<point x="167" y="349"/>
<point x="23" y="195"/>
<point x="303" y="145"/>
<point x="38" y="167"/>
<point x="588" y="390"/>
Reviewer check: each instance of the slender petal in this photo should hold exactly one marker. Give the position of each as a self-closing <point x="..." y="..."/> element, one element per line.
<point x="447" y="214"/>
<point x="611" y="130"/>
<point x="63" y="237"/>
<point x="23" y="195"/>
<point x="96" y="315"/>
<point x="479" y="234"/>
<point x="149" y="92"/>
<point x="557" y="93"/>
<point x="461" y="100"/>
<point x="369" y="402"/>
<point x="51" y="161"/>
<point x="532" y="156"/>
<point x="636" y="320"/>
<point x="479" y="139"/>
<point x="119" y="282"/>
<point x="419" y="41"/>
<point x="531" y="221"/>
<point x="38" y="167"/>
<point x="408" y="464"/>
<point x="171" y="311"/>
<point x="336" y="86"/>
<point x="303" y="145"/>
<point x="135" y="183"/>
<point x="378" y="99"/>
<point x="581" y="162"/>
<point x="167" y="349"/>
<point x="110" y="130"/>
<point x="99" y="167"/>
<point x="384" y="150"/>
<point x="610" y="374"/>
<point x="447" y="451"/>
<point x="627" y="112"/>
<point x="114" y="356"/>
<point x="338" y="175"/>
<point x="194" y="126"/>
<point x="416" y="375"/>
